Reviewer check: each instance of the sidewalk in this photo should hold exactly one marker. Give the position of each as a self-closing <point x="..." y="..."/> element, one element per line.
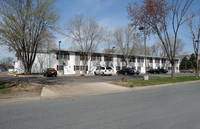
<point x="80" y="90"/>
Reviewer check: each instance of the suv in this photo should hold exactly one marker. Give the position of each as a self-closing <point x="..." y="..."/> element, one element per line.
<point x="50" y="72"/>
<point x="103" y="71"/>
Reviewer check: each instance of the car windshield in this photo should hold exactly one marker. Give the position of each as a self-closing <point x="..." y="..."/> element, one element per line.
<point x="51" y="69"/>
<point x="108" y="68"/>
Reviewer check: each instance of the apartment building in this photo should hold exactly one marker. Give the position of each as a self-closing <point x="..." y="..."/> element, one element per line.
<point x="72" y="62"/>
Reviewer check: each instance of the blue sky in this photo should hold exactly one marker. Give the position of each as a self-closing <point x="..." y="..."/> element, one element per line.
<point x="108" y="13"/>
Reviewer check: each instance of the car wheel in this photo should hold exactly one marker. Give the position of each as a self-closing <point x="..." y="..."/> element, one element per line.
<point x="55" y="75"/>
<point x="95" y="73"/>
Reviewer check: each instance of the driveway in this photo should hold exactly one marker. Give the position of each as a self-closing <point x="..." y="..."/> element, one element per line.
<point x="75" y="85"/>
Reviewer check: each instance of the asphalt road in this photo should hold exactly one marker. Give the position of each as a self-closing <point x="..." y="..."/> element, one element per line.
<point x="170" y="107"/>
<point x="63" y="80"/>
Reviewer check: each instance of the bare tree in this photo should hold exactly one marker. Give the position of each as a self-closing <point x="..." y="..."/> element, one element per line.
<point x="109" y="42"/>
<point x="155" y="49"/>
<point x="158" y="48"/>
<point x="86" y="33"/>
<point x="155" y="15"/>
<point x="7" y="61"/>
<point x="195" y="32"/>
<point x="25" y="26"/>
<point x="124" y="40"/>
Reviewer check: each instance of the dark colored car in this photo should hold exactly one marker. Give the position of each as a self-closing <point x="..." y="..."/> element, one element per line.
<point x="127" y="71"/>
<point x="158" y="71"/>
<point x="151" y="71"/>
<point x="161" y="71"/>
<point x="187" y="71"/>
<point x="136" y="71"/>
<point x="50" y="72"/>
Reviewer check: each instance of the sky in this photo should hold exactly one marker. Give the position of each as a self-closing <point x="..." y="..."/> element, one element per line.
<point x="108" y="13"/>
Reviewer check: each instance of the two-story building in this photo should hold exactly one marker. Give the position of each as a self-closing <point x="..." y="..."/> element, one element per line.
<point x="72" y="62"/>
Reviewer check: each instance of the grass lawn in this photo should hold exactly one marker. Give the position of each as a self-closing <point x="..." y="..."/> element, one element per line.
<point x="3" y="89"/>
<point x="157" y="81"/>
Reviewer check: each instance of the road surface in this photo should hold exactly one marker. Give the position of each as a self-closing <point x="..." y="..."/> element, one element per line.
<point x="169" y="107"/>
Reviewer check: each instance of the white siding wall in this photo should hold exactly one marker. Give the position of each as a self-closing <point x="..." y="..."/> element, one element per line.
<point x="44" y="60"/>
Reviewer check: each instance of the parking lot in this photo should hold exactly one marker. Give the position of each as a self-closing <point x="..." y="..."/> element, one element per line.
<point x="77" y="79"/>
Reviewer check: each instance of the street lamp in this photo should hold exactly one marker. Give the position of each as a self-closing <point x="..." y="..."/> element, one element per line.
<point x="113" y="50"/>
<point x="197" y="63"/>
<point x="59" y="56"/>
<point x="143" y="28"/>
<point x="113" y="55"/>
<point x="59" y="48"/>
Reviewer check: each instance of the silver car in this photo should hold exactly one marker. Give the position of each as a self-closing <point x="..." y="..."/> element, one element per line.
<point x="187" y="71"/>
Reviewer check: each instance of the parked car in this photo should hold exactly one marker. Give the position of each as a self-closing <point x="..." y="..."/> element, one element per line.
<point x="136" y="71"/>
<point x="50" y="72"/>
<point x="187" y="71"/>
<point x="151" y="71"/>
<point x="161" y="71"/>
<point x="128" y="71"/>
<point x="158" y="71"/>
<point x="103" y="71"/>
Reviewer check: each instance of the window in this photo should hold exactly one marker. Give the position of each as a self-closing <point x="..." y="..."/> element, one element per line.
<point x="157" y="61"/>
<point x="60" y="67"/>
<point x="98" y="57"/>
<point x="117" y="67"/>
<point x="83" y="68"/>
<point x="82" y="57"/>
<point x="108" y="68"/>
<point x="140" y="60"/>
<point x="163" y="61"/>
<point x="108" y="58"/>
<point x="65" y="56"/>
<point x="62" y="55"/>
<point x="150" y="60"/>
<point x="123" y="59"/>
<point x="77" y="68"/>
<point x="102" y="68"/>
<point x="94" y="58"/>
<point x="132" y="59"/>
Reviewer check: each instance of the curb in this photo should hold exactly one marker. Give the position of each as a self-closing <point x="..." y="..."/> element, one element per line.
<point x="163" y="85"/>
<point x="21" y="99"/>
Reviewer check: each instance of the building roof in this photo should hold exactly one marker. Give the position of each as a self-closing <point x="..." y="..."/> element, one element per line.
<point x="118" y="54"/>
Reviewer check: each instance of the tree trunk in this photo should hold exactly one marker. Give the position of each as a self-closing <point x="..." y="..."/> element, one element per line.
<point x="126" y="61"/>
<point x="173" y="70"/>
<point x="197" y="67"/>
<point x="28" y="69"/>
<point x="85" y="62"/>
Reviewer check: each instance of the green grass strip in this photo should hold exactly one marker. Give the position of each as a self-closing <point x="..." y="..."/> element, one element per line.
<point x="3" y="89"/>
<point x="157" y="81"/>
